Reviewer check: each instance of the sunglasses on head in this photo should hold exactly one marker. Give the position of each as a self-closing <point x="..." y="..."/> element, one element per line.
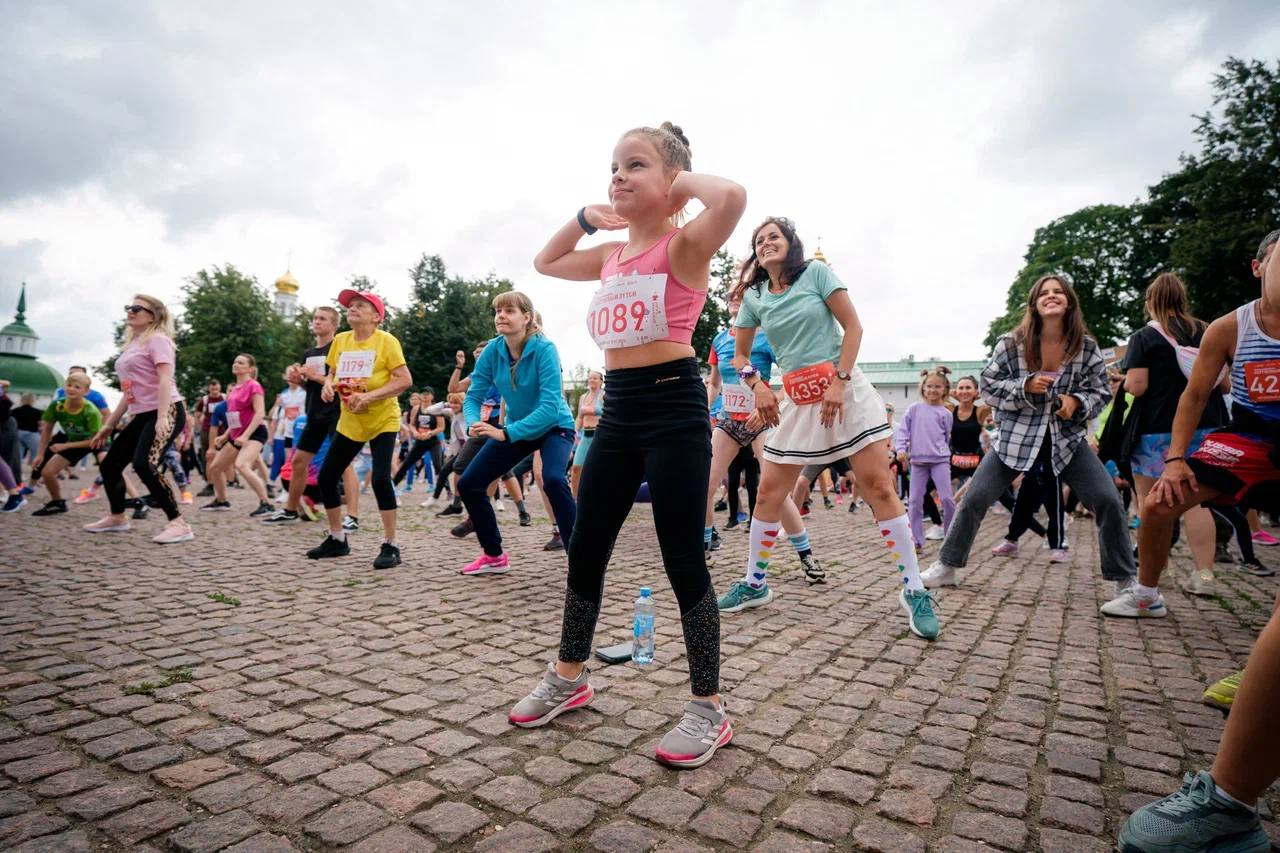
<point x="134" y="309"/>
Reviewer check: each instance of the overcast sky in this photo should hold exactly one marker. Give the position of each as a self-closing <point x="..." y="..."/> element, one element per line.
<point x="922" y="143"/>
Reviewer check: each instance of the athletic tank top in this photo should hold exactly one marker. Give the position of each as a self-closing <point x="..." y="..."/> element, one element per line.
<point x="682" y="304"/>
<point x="966" y="435"/>
<point x="1255" y="372"/>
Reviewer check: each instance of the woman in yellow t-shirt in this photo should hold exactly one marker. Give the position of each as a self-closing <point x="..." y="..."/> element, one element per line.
<point x="367" y="371"/>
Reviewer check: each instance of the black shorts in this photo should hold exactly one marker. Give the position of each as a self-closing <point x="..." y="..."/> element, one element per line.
<point x="74" y="454"/>
<point x="259" y="435"/>
<point x="315" y="432"/>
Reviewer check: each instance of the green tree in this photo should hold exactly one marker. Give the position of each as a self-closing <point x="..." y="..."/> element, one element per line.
<point x="1210" y="215"/>
<point x="226" y="313"/>
<point x="715" y="312"/>
<point x="1107" y="255"/>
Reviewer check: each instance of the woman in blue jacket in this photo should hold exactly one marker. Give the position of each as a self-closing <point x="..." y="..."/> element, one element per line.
<point x="525" y="369"/>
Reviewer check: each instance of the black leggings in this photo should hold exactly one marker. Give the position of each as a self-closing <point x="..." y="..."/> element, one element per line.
<point x="1040" y="487"/>
<point x="655" y="429"/>
<point x="342" y="451"/>
<point x="1235" y="517"/>
<point x="429" y="449"/>
<point x="138" y="445"/>
<point x="442" y="477"/>
<point x="744" y="466"/>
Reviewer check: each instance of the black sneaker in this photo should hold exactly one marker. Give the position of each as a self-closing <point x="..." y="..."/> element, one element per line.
<point x="140" y="512"/>
<point x="216" y="506"/>
<point x="388" y="557"/>
<point x="271" y="491"/>
<point x="52" y="508"/>
<point x="464" y="529"/>
<point x="525" y="519"/>
<point x="556" y="543"/>
<point x="264" y="508"/>
<point x="133" y="503"/>
<point x="826" y="502"/>
<point x="721" y="505"/>
<point x="350" y="524"/>
<point x="282" y="516"/>
<point x="451" y="509"/>
<point x="813" y="571"/>
<point x="714" y="544"/>
<point x="1222" y="555"/>
<point x="206" y="492"/>
<point x="330" y="547"/>
<point x="731" y="523"/>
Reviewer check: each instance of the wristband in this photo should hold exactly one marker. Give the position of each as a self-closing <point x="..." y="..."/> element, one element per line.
<point x="506" y="436"/>
<point x="1169" y="459"/>
<point x="584" y="224"/>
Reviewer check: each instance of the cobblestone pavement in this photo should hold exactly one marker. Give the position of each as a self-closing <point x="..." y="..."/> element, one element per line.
<point x="230" y="694"/>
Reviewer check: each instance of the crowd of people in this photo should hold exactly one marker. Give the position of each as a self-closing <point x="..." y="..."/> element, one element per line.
<point x="1187" y="423"/>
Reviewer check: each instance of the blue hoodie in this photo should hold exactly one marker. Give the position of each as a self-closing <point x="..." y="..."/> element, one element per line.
<point x="536" y="404"/>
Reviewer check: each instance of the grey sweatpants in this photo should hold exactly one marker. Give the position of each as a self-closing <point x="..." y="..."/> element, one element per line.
<point x="1091" y="483"/>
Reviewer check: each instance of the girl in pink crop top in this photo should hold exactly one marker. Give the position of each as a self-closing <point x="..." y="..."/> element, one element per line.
<point x="655" y="425"/>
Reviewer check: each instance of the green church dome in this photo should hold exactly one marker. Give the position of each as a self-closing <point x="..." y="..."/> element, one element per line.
<point x="18" y="362"/>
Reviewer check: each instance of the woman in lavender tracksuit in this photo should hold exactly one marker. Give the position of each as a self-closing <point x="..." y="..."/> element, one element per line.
<point x="925" y="437"/>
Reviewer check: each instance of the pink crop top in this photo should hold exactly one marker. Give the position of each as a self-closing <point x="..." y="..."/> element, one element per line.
<point x="683" y="304"/>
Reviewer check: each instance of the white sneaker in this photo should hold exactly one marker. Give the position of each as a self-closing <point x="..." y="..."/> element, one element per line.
<point x="499" y="506"/>
<point x="939" y="575"/>
<point x="934" y="534"/>
<point x="1200" y="582"/>
<point x="1133" y="606"/>
<point x="429" y="501"/>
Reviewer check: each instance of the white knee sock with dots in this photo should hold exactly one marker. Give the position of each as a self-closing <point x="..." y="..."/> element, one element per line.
<point x="764" y="536"/>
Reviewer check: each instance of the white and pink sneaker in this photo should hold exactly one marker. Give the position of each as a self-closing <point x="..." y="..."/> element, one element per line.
<point x="108" y="524"/>
<point x="1005" y="548"/>
<point x="174" y="532"/>
<point x="486" y="565"/>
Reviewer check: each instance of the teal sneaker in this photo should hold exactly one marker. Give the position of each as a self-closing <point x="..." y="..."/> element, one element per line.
<point x="741" y="596"/>
<point x="919" y="606"/>
<point x="1196" y="818"/>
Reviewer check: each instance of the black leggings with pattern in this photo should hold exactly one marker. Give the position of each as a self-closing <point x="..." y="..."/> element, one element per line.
<point x="139" y="445"/>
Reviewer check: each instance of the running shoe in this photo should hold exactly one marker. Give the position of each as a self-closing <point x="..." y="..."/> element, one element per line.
<point x="330" y="547"/>
<point x="350" y="523"/>
<point x="26" y="490"/>
<point x="805" y="509"/>
<point x="555" y="543"/>
<point x="177" y="530"/>
<point x="466" y="528"/>
<point x="486" y="565"/>
<point x="525" y="519"/>
<point x="499" y="505"/>
<point x="826" y="503"/>
<point x="731" y="523"/>
<point x="282" y="516"/>
<point x="703" y="729"/>
<point x="187" y="498"/>
<point x="140" y="511"/>
<point x="1059" y="555"/>
<point x="742" y="595"/>
<point x="813" y="571"/>
<point x="1264" y="538"/>
<point x="741" y="517"/>
<point x="1200" y="582"/>
<point x="721" y="505"/>
<point x="551" y="698"/>
<point x="1222" y="692"/>
<point x="107" y="524"/>
<point x="1196" y="818"/>
<point x="939" y="575"/>
<point x="853" y="506"/>
<point x="264" y="508"/>
<point x="206" y="492"/>
<point x="271" y="491"/>
<point x="86" y="495"/>
<point x="714" y="544"/>
<point x="429" y="501"/>
<point x="1130" y="605"/>
<point x="309" y="509"/>
<point x="52" y="508"/>
<point x="1005" y="549"/>
<point x="1222" y="555"/>
<point x="451" y="509"/>
<point x="216" y="506"/>
<point x="920" y="616"/>
<point x="1135" y="523"/>
<point x="388" y="557"/>
<point x="934" y="534"/>
<point x="1256" y="569"/>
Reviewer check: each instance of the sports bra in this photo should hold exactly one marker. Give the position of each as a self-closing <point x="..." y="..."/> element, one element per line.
<point x="682" y="304"/>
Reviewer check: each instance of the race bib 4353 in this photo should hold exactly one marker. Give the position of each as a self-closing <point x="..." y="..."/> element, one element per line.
<point x="806" y="385"/>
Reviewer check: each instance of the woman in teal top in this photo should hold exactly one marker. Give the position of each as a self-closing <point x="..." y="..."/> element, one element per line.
<point x="829" y="410"/>
<point x="590" y="408"/>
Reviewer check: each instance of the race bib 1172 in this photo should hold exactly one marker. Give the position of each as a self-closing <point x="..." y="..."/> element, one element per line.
<point x="739" y="400"/>
<point x="629" y="310"/>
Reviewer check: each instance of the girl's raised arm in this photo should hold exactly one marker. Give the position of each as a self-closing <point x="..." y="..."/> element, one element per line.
<point x="561" y="258"/>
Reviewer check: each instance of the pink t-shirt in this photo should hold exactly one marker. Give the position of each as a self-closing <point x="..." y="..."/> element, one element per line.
<point x="240" y="407"/>
<point x="139" y="379"/>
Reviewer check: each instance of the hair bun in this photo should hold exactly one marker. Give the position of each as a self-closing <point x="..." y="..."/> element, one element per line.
<point x="925" y="372"/>
<point x="676" y="131"/>
<point x="943" y="369"/>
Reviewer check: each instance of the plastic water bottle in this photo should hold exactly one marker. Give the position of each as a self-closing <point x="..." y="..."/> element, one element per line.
<point x="642" y="641"/>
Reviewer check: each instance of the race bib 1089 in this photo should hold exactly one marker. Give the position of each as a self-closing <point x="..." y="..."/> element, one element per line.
<point x="628" y="311"/>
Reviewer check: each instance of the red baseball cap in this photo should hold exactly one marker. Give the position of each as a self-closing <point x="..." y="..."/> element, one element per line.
<point x="345" y="297"/>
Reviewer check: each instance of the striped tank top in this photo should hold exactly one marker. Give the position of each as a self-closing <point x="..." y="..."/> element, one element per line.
<point x="1255" y="372"/>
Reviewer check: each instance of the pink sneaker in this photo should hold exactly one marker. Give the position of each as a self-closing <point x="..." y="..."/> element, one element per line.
<point x="107" y="524"/>
<point x="486" y="565"/>
<point x="1005" y="548"/>
<point x="1059" y="555"/>
<point x="175" y="531"/>
<point x="86" y="495"/>
<point x="1262" y="537"/>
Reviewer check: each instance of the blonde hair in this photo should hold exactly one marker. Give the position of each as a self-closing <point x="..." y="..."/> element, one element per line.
<point x="457" y="398"/>
<point x="80" y="380"/>
<point x="161" y="321"/>
<point x="253" y="362"/>
<point x="523" y="304"/>
<point x="1167" y="304"/>
<point x="672" y="146"/>
<point x="942" y="372"/>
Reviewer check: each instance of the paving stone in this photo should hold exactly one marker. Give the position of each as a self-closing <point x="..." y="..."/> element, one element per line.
<point x="665" y="807"/>
<point x="607" y="789"/>
<point x="1058" y="841"/>
<point x="39" y="766"/>
<point x="623" y="836"/>
<point x="352" y="779"/>
<point x="19" y="828"/>
<point x="216" y="740"/>
<point x="564" y="815"/>
<point x="216" y="832"/>
<point x="398" y="760"/>
<point x="192" y="774"/>
<point x="232" y="793"/>
<point x="553" y="771"/>
<point x="450" y="821"/>
<point x="394" y="839"/>
<point x="1066" y="814"/>
<point x="461" y="775"/>
<point x="881" y="835"/>
<point x="347" y="822"/>
<point x="103" y="801"/>
<point x="1010" y="802"/>
<point x="731" y="827"/>
<point x="293" y="803"/>
<point x="144" y="821"/>
<point x="843" y="785"/>
<point x="302" y="765"/>
<point x="76" y="841"/>
<point x="404" y="798"/>
<point x="519" y="837"/>
<point x="1003" y="832"/>
<point x="827" y="821"/>
<point x="263" y="842"/>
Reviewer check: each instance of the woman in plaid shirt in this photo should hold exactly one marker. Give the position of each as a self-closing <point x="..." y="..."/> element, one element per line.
<point x="1046" y="380"/>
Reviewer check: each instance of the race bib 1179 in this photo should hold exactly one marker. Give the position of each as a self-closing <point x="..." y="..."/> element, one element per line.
<point x="629" y="310"/>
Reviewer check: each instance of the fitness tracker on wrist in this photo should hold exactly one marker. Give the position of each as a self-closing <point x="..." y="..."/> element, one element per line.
<point x="585" y="225"/>
<point x="745" y="373"/>
<point x="840" y="374"/>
